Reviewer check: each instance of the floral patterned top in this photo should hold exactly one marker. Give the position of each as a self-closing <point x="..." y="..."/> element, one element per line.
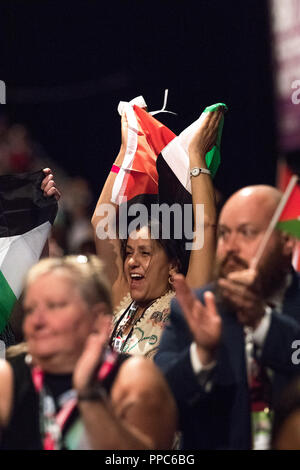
<point x="144" y="335"/>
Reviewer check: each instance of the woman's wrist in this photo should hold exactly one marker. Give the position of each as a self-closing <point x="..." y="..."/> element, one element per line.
<point x="206" y="356"/>
<point x="92" y="393"/>
<point x="197" y="159"/>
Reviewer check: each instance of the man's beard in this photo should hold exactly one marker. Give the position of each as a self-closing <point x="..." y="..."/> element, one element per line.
<point x="271" y="276"/>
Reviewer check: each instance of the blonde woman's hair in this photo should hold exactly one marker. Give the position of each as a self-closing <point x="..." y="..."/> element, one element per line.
<point x="87" y="273"/>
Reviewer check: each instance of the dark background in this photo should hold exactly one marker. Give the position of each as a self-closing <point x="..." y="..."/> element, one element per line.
<point x="67" y="64"/>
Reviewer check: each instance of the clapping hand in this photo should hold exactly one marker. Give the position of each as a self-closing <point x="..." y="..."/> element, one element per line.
<point x="203" y="320"/>
<point x="92" y="354"/>
<point x="240" y="289"/>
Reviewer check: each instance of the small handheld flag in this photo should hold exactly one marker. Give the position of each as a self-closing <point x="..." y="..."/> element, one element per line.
<point x="285" y="218"/>
<point x="289" y="220"/>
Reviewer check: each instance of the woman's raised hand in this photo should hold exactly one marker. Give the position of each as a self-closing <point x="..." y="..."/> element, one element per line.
<point x="206" y="136"/>
<point x="48" y="185"/>
<point x="92" y="354"/>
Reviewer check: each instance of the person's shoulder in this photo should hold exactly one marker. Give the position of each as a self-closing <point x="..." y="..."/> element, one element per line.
<point x="137" y="366"/>
<point x="6" y="375"/>
<point x="6" y="391"/>
<point x="139" y="371"/>
<point x="5" y="370"/>
<point x="141" y="396"/>
<point x="287" y="321"/>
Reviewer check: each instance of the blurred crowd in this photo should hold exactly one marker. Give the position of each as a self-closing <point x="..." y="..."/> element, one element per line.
<point x="20" y="153"/>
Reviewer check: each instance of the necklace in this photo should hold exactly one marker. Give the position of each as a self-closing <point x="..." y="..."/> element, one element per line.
<point x="126" y="317"/>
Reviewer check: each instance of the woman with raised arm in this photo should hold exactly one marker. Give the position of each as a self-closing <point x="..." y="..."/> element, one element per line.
<point x="141" y="269"/>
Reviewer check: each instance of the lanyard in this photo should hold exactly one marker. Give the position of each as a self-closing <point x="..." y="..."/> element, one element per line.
<point x="118" y="342"/>
<point x="52" y="423"/>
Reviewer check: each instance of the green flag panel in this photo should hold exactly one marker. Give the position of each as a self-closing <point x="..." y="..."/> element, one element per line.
<point x="7" y="302"/>
<point x="290" y="226"/>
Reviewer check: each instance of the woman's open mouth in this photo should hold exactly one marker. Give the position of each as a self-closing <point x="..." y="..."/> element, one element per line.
<point x="136" y="279"/>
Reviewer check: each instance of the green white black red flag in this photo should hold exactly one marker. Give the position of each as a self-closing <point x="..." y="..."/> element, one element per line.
<point x="26" y="217"/>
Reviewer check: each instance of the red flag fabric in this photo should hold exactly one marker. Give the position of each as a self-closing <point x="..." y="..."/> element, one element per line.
<point x="146" y="138"/>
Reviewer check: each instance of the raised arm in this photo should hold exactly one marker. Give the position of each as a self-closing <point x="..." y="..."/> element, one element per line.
<point x="140" y="412"/>
<point x="202" y="260"/>
<point x="109" y="249"/>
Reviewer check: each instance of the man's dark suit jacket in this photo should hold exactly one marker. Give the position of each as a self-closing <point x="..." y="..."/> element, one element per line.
<point x="220" y="418"/>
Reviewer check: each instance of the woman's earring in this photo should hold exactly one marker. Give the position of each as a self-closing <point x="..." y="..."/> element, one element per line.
<point x="171" y="280"/>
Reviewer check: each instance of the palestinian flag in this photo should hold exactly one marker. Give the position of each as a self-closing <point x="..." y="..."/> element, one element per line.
<point x="284" y="174"/>
<point x="174" y="166"/>
<point x="26" y="216"/>
<point x="289" y="220"/>
<point x="156" y="167"/>
<point x="156" y="161"/>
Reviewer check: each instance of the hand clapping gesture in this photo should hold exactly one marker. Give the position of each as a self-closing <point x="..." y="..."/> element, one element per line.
<point x="91" y="356"/>
<point x="203" y="320"/>
<point x="240" y="288"/>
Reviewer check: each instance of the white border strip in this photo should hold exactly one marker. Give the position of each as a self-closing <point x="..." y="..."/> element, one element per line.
<point x="132" y="143"/>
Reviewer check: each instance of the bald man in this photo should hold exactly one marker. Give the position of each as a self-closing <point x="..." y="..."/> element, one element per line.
<point x="227" y="352"/>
